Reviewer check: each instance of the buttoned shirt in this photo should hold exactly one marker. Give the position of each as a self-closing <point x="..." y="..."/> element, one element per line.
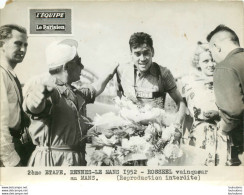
<point x="10" y="115"/>
<point x="142" y="86"/>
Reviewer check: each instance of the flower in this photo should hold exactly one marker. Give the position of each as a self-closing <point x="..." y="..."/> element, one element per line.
<point x="101" y="140"/>
<point x="109" y="120"/>
<point x="172" y="151"/>
<point x="136" y="133"/>
<point x="158" y="160"/>
<point x="167" y="133"/>
<point x="106" y="156"/>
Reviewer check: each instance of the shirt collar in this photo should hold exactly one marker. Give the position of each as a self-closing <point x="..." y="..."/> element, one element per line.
<point x="59" y="82"/>
<point x="235" y="51"/>
<point x="9" y="68"/>
<point x="12" y="72"/>
<point x="61" y="86"/>
<point x="152" y="70"/>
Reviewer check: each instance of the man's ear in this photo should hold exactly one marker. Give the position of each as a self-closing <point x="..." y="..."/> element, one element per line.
<point x="152" y="52"/>
<point x="131" y="55"/>
<point x="65" y="72"/>
<point x="218" y="47"/>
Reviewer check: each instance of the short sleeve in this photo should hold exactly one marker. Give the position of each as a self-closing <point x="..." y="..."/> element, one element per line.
<point x="168" y="80"/>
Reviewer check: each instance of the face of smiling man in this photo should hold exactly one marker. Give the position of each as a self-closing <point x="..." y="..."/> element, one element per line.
<point x="142" y="57"/>
<point x="14" y="48"/>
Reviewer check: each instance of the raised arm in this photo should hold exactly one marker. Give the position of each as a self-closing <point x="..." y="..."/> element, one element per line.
<point x="103" y="80"/>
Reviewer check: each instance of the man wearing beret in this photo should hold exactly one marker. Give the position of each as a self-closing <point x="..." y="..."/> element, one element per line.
<point x="58" y="110"/>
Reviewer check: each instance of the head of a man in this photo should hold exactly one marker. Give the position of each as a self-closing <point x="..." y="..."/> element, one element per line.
<point x="203" y="60"/>
<point x="222" y="40"/>
<point x="13" y="43"/>
<point x="142" y="52"/>
<point x="63" y="61"/>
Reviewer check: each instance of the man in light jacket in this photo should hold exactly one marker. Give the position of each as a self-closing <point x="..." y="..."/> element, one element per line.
<point x="13" y="47"/>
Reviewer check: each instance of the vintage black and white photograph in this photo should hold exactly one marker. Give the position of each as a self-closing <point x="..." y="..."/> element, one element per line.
<point x="125" y="84"/>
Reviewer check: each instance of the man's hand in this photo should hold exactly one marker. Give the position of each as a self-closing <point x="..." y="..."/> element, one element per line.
<point x="177" y="135"/>
<point x="223" y="126"/>
<point x="111" y="69"/>
<point x="178" y="132"/>
<point x="38" y="94"/>
<point x="86" y="90"/>
<point x="212" y="115"/>
<point x="19" y="164"/>
<point x="35" y="99"/>
<point x="221" y="133"/>
<point x="104" y="79"/>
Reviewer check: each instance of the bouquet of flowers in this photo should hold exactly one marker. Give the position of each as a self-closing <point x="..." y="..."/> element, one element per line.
<point x="136" y="133"/>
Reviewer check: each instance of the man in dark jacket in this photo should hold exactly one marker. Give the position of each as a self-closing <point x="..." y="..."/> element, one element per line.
<point x="229" y="86"/>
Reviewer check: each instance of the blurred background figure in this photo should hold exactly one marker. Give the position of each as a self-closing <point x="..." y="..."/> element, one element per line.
<point x="198" y="92"/>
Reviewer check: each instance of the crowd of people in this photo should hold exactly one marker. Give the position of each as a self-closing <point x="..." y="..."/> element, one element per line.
<point x="47" y="126"/>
